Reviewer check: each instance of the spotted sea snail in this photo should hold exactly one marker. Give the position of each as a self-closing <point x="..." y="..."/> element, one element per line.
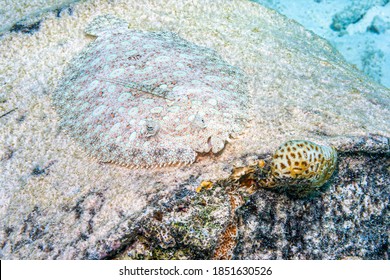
<point x="302" y="166"/>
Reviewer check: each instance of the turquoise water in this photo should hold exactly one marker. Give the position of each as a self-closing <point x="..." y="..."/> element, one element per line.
<point x="359" y="30"/>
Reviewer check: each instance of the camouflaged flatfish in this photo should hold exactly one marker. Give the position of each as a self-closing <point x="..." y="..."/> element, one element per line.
<point x="150" y="98"/>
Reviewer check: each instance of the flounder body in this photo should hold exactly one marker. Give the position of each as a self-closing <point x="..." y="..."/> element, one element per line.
<point x="150" y="98"/>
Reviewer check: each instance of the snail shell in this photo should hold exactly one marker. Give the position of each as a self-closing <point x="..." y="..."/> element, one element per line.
<point x="301" y="165"/>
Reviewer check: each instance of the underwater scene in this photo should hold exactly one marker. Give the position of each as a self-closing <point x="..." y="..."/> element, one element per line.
<point x="194" y="130"/>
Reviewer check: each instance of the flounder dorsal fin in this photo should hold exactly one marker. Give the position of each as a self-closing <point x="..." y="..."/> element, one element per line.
<point x="105" y="23"/>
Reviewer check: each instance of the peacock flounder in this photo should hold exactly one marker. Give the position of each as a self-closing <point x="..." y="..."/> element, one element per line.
<point x="145" y="99"/>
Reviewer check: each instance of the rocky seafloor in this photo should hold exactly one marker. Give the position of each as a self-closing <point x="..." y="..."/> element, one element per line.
<point x="57" y="203"/>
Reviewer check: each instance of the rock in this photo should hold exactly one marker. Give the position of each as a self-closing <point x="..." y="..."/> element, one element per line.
<point x="350" y="220"/>
<point x="378" y="25"/>
<point x="186" y="225"/>
<point x="353" y="13"/>
<point x="57" y="203"/>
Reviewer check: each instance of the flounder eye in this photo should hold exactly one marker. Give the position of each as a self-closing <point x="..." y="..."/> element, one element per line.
<point x="150" y="128"/>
